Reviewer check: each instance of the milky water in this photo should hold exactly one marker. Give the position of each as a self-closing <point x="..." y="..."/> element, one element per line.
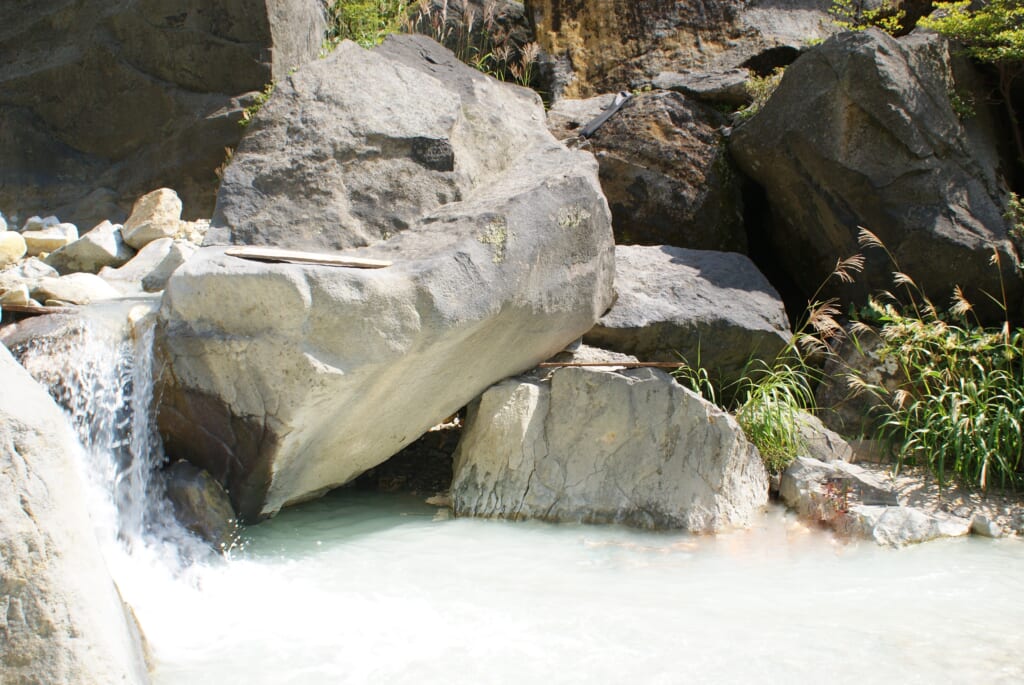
<point x="372" y="588"/>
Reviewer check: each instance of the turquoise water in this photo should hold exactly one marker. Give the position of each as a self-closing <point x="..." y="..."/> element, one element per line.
<point x="369" y="588"/>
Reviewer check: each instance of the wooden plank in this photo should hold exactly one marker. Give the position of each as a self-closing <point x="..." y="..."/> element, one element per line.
<point x="32" y="309"/>
<point x="273" y="254"/>
<point x="628" y="365"/>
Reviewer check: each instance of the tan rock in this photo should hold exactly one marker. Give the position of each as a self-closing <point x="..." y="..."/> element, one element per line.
<point x="155" y="215"/>
<point x="50" y="238"/>
<point x="12" y="247"/>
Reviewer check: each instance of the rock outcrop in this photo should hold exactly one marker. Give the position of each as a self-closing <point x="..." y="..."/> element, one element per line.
<point x="101" y="101"/>
<point x="63" y="620"/>
<point x="861" y="132"/>
<point x="713" y="309"/>
<point x="664" y="169"/>
<point x="606" y="446"/>
<point x="285" y="380"/>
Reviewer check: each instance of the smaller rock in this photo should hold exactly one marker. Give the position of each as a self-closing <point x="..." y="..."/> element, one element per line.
<point x="194" y="231"/>
<point x="820" y="442"/>
<point x="12" y="248"/>
<point x="154" y="216"/>
<point x="38" y="223"/>
<point x="18" y="295"/>
<point x="149" y="270"/>
<point x="719" y="87"/>
<point x="102" y="246"/>
<point x="823" y="492"/>
<point x="200" y="504"/>
<point x="980" y="525"/>
<point x="74" y="289"/>
<point x="899" y="526"/>
<point x="35" y="268"/>
<point x="49" y="239"/>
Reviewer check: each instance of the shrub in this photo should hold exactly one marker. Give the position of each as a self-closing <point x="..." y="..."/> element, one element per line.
<point x="858" y="15"/>
<point x="367" y="22"/>
<point x="760" y="89"/>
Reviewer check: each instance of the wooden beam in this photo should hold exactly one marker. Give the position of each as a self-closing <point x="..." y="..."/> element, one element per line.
<point x="273" y="254"/>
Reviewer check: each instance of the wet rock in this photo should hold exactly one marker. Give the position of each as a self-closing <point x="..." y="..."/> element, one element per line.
<point x="49" y="239"/>
<point x="102" y="246"/>
<point x="200" y="504"/>
<point x="714" y="309"/>
<point x="73" y="289"/>
<point x="590" y="445"/>
<point x="12" y="248"/>
<point x="154" y="216"/>
<point x="64" y="621"/>
<point x="149" y="270"/>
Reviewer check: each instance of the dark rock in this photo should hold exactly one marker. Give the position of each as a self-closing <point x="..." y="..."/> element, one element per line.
<point x="422" y="468"/>
<point x="102" y="101"/>
<point x="200" y="504"/>
<point x="714" y="309"/>
<point x="664" y="169"/>
<point x="860" y="132"/>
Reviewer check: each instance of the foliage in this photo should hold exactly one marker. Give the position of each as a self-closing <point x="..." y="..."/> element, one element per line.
<point x="257" y="104"/>
<point x="760" y="89"/>
<point x="366" y="22"/>
<point x="962" y="104"/>
<point x="858" y="15"/>
<point x="1015" y="216"/>
<point x="959" y="410"/>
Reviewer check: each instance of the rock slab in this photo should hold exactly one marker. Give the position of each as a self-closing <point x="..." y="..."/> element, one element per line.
<point x="603" y="446"/>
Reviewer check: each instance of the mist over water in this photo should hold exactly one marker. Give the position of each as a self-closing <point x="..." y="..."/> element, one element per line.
<point x="374" y="588"/>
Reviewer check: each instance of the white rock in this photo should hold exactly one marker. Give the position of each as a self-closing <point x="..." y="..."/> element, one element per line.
<point x="102" y="246"/>
<point x="194" y="231"/>
<point x="155" y="215"/>
<point x="149" y="270"/>
<point x="18" y="295"/>
<point x="981" y="525"/>
<point x="38" y="223"/>
<point x="12" y="247"/>
<point x="898" y="526"/>
<point x="63" y="620"/>
<point x="606" y="446"/>
<point x="3" y="223"/>
<point x="74" y="289"/>
<point x="50" y="238"/>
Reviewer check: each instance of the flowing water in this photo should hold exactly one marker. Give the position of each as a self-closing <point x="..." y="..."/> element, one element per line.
<point x="373" y="588"/>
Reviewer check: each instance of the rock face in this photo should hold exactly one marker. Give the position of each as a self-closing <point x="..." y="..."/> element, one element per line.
<point x="103" y="100"/>
<point x="861" y="133"/>
<point x="285" y="380"/>
<point x="711" y="308"/>
<point x="606" y="446"/>
<point x="665" y="171"/>
<point x="623" y="44"/>
<point x="64" y="621"/>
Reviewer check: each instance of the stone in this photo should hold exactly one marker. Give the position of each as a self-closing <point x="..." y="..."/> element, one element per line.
<point x="825" y="492"/>
<point x="12" y="248"/>
<point x="18" y="295"/>
<point x="861" y="133"/>
<point x="727" y="87"/>
<point x="665" y="171"/>
<point x="73" y="289"/>
<point x="713" y="309"/>
<point x="194" y="231"/>
<point x="38" y="223"/>
<point x="899" y="526"/>
<point x="155" y="215"/>
<point x="624" y="44"/>
<point x="3" y="223"/>
<point x="602" y="446"/>
<point x="102" y="246"/>
<point x="137" y="96"/>
<point x="149" y="270"/>
<point x="49" y="239"/>
<point x="64" y="621"/>
<point x="980" y="525"/>
<point x="200" y="504"/>
<point x="285" y="380"/>
<point x="820" y="442"/>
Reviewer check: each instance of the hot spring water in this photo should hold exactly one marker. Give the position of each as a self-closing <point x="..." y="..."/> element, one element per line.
<point x="369" y="588"/>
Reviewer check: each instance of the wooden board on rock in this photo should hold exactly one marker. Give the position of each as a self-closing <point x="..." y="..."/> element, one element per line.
<point x="272" y="254"/>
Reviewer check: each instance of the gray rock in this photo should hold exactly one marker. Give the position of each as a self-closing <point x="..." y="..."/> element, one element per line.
<point x="860" y="132"/>
<point x="980" y="525"/>
<point x="606" y="446"/>
<point x="664" y="169"/>
<point x="821" y="443"/>
<point x="711" y="308"/>
<point x="64" y="621"/>
<point x="49" y="239"/>
<point x="285" y="380"/>
<point x="149" y="270"/>
<point x="73" y="289"/>
<point x="825" y="492"/>
<point x="155" y="215"/>
<point x="137" y="96"/>
<point x="102" y="246"/>
<point x="899" y="526"/>
<point x="717" y="87"/>
<point x="200" y="504"/>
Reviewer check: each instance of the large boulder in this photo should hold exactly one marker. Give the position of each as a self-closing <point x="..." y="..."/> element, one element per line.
<point x="284" y="380"/>
<point x="713" y="309"/>
<point x="63" y="619"/>
<point x="101" y="101"/>
<point x="623" y="44"/>
<point x="861" y="133"/>
<point x="606" y="446"/>
<point x="665" y="170"/>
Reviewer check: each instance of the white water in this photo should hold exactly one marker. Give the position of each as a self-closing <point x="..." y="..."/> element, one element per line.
<point x="358" y="588"/>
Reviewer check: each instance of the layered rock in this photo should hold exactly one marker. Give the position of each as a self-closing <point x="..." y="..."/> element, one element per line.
<point x="285" y="380"/>
<point x="861" y="132"/>
<point x="64" y="621"/>
<point x="101" y="101"/>
<point x="664" y="169"/>
<point x="713" y="309"/>
<point x="606" y="446"/>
